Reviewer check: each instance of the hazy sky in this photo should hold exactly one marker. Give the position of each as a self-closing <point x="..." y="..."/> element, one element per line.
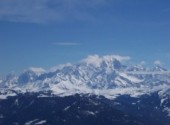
<point x="44" y="33"/>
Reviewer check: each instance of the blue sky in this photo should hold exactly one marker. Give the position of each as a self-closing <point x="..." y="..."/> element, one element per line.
<point x="44" y="33"/>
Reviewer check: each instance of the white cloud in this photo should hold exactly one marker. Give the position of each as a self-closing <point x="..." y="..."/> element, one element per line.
<point x="58" y="67"/>
<point x="93" y="60"/>
<point x="66" y="43"/>
<point x="143" y="63"/>
<point x="96" y="60"/>
<point x="42" y="11"/>
<point x="157" y="62"/>
<point x="118" y="57"/>
<point x="37" y="70"/>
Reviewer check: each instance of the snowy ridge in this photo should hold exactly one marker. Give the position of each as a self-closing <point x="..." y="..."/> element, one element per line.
<point x="106" y="75"/>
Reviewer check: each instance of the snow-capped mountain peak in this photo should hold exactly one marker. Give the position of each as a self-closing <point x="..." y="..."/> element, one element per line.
<point x="103" y="75"/>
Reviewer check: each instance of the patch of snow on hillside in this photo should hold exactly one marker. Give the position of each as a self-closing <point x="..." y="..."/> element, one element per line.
<point x="41" y="122"/>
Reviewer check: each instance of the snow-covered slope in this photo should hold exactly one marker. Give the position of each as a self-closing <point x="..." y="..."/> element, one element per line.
<point x="106" y="75"/>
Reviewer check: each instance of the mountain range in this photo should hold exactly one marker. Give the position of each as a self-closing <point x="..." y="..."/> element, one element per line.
<point x="109" y="81"/>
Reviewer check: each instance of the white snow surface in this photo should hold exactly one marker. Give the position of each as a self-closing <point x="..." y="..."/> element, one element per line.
<point x="41" y="122"/>
<point x="36" y="122"/>
<point x="99" y="75"/>
<point x="31" y="122"/>
<point x="167" y="110"/>
<point x="131" y="78"/>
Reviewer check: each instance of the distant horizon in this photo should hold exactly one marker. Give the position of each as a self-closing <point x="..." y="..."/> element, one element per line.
<point x="128" y="62"/>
